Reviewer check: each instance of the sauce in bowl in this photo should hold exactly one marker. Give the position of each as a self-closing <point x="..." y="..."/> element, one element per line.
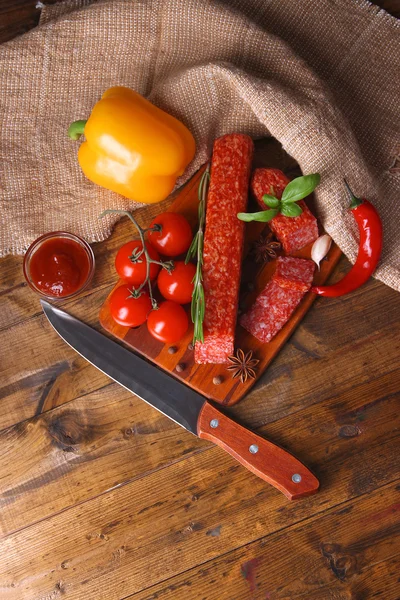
<point x="59" y="265"/>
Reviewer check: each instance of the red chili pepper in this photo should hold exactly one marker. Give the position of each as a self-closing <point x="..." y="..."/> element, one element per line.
<point x="369" y="252"/>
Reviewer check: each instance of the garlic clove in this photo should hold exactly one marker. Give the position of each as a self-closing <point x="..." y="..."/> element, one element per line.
<point x="320" y="248"/>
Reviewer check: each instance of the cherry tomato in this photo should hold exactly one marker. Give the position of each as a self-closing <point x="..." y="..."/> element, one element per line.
<point x="174" y="236"/>
<point x="135" y="272"/>
<point x="168" y="323"/>
<point x="178" y="284"/>
<point x="127" y="310"/>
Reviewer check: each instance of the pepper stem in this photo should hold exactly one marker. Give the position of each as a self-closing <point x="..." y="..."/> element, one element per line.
<point x="354" y="200"/>
<point x="76" y="129"/>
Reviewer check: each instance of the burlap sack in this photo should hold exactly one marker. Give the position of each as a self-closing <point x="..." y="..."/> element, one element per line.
<point x="322" y="77"/>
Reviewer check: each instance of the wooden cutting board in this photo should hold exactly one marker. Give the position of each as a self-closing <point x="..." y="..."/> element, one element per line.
<point x="215" y="381"/>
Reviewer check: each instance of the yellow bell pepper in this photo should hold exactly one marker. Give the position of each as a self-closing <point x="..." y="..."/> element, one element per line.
<point x="132" y="147"/>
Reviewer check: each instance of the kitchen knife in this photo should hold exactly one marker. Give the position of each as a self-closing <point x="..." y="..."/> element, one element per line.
<point x="184" y="406"/>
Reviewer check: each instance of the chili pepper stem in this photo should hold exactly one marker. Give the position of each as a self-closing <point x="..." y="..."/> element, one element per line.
<point x="355" y="201"/>
<point x="76" y="129"/>
<point x="144" y="251"/>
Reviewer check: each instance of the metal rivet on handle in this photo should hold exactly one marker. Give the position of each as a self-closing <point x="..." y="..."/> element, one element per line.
<point x="214" y="423"/>
<point x="253" y="449"/>
<point x="296" y="478"/>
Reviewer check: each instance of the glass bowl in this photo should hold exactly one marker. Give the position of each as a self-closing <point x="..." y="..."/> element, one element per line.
<point x="58" y="251"/>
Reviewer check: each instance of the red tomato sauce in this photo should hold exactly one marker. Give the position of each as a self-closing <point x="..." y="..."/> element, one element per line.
<point x="59" y="267"/>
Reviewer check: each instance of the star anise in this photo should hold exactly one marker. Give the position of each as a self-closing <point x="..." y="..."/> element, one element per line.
<point x="242" y="365"/>
<point x="265" y="248"/>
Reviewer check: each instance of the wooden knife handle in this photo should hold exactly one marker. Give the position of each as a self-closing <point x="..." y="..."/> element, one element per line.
<point x="261" y="457"/>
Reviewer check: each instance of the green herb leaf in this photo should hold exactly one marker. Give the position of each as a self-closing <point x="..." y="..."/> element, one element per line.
<point x="291" y="210"/>
<point x="300" y="187"/>
<point x="191" y="253"/>
<point x="262" y="217"/>
<point x="197" y="308"/>
<point x="271" y="201"/>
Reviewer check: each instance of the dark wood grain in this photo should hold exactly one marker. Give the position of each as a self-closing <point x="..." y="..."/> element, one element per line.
<point x="102" y="498"/>
<point x="344" y="554"/>
<point x="104" y="439"/>
<point x="161" y="525"/>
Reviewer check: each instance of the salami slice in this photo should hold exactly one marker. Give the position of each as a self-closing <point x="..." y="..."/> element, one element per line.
<point x="223" y="245"/>
<point x="278" y="300"/>
<point x="293" y="232"/>
<point x="294" y="273"/>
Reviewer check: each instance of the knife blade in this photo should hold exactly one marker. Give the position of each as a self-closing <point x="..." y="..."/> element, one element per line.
<point x="184" y="406"/>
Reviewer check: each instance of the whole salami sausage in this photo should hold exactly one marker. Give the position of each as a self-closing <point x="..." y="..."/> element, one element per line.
<point x="223" y="245"/>
<point x="293" y="232"/>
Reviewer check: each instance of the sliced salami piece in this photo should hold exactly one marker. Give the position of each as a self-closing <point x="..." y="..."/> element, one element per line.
<point x="294" y="273"/>
<point x="264" y="322"/>
<point x="223" y="245"/>
<point x="278" y="300"/>
<point x="293" y="232"/>
<point x="268" y="181"/>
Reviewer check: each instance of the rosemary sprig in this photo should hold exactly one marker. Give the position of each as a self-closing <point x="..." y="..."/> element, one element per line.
<point x="169" y="265"/>
<point x="196" y="250"/>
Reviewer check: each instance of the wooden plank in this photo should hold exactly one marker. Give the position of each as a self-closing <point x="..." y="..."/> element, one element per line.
<point x="71" y="454"/>
<point x="50" y="373"/>
<point x="391" y="6"/>
<point x="350" y="552"/>
<point x="16" y="18"/>
<point x="168" y="522"/>
<point x="105" y="439"/>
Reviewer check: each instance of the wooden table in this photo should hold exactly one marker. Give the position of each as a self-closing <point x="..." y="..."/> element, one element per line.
<point x="103" y="498"/>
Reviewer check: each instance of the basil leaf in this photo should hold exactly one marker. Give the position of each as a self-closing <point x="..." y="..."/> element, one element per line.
<point x="300" y="187"/>
<point x="291" y="210"/>
<point x="261" y="217"/>
<point x="270" y="201"/>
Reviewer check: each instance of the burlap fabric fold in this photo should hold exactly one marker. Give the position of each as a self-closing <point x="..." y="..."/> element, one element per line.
<point x="321" y="76"/>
